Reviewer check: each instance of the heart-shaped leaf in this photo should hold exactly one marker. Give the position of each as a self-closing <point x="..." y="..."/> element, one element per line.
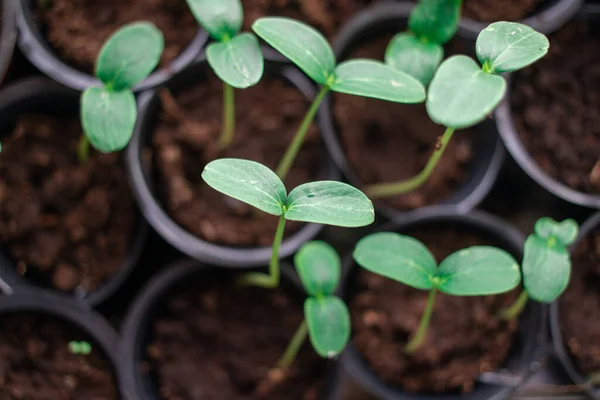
<point x="302" y="44"/>
<point x="237" y="62"/>
<point x="108" y="118"/>
<point x="374" y="79"/>
<point x="331" y="203"/>
<point x="564" y="232"/>
<point x="435" y="20"/>
<point x="129" y="55"/>
<point x="461" y="95"/>
<point x="417" y="58"/>
<point x="247" y="181"/>
<point x="478" y="270"/>
<point x="221" y="18"/>
<point x="319" y="268"/>
<point x="509" y="46"/>
<point x="328" y="322"/>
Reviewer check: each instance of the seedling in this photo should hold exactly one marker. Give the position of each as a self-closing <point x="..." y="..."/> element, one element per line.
<point x="419" y="51"/>
<point x="546" y="263"/>
<point x="474" y="271"/>
<point x="108" y="114"/>
<point x="80" y="348"/>
<point x="235" y="57"/>
<point x="463" y="93"/>
<point x="309" y="50"/>
<point x="323" y="202"/>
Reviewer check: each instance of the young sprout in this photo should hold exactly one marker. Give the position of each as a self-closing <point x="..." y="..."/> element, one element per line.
<point x="108" y="114"/>
<point x="462" y="93"/>
<point x="235" y="57"/>
<point x="546" y="263"/>
<point x="323" y="202"/>
<point x="80" y="348"/>
<point x="474" y="271"/>
<point x="326" y="316"/>
<point x="309" y="50"/>
<point x="419" y="51"/>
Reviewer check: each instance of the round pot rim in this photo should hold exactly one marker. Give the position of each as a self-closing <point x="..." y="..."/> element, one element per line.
<point x="8" y="36"/>
<point x="39" y="52"/>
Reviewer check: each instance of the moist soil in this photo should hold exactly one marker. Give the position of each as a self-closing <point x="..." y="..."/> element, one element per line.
<point x="556" y="108"/>
<point x="187" y="138"/>
<point x="580" y="302"/>
<point x="464" y="339"/>
<point x="63" y="223"/>
<point x="36" y="363"/>
<point x="220" y="341"/>
<point x="388" y="142"/>
<point x="505" y="10"/>
<point x="77" y="29"/>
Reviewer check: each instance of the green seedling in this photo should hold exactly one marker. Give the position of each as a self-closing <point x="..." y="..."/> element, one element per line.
<point x="235" y="57"/>
<point x="474" y="271"/>
<point x="309" y="50"/>
<point x="463" y="93"/>
<point x="80" y="348"/>
<point x="108" y="114"/>
<point x="326" y="316"/>
<point x="323" y="202"/>
<point x="546" y="263"/>
<point x="419" y="51"/>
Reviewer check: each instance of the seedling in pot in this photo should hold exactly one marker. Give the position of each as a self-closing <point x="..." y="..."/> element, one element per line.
<point x="546" y="263"/>
<point x="323" y="202"/>
<point x="235" y="57"/>
<point x="309" y="50"/>
<point x="474" y="271"/>
<point x="463" y="93"/>
<point x="80" y="348"/>
<point x="108" y="114"/>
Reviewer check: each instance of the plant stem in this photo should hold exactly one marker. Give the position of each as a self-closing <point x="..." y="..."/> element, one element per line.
<point x="290" y="154"/>
<point x="392" y="189"/>
<point x="290" y="353"/>
<point x="270" y="280"/>
<point x="419" y="335"/>
<point x="83" y="150"/>
<point x="516" y="308"/>
<point x="228" y="116"/>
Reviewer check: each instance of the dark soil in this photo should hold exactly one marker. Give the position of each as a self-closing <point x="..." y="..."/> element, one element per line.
<point x="556" y="108"/>
<point x="36" y="364"/>
<point x="216" y="341"/>
<point x="62" y="222"/>
<point x="388" y="142"/>
<point x="187" y="137"/>
<point x="505" y="10"/>
<point x="464" y="339"/>
<point x="77" y="29"/>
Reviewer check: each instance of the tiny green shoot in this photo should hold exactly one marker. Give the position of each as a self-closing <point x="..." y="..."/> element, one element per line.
<point x="474" y="271"/>
<point x="80" y="348"/>
<point x="309" y="50"/>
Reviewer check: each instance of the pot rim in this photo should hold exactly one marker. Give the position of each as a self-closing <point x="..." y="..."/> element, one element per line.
<point x="8" y="36"/>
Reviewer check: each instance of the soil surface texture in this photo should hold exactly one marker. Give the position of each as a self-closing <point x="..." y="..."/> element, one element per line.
<point x="505" y="10"/>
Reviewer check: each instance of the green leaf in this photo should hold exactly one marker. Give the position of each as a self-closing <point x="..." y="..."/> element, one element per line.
<point x="564" y="232"/>
<point x="546" y="269"/>
<point x="237" y="62"/>
<point x="419" y="59"/>
<point x="509" y="46"/>
<point x="301" y="43"/>
<point x="374" y="79"/>
<point x="108" y="118"/>
<point x="397" y="257"/>
<point x="129" y="55"/>
<point x="319" y="267"/>
<point x="221" y="18"/>
<point x="461" y="95"/>
<point x="328" y="322"/>
<point x="331" y="203"/>
<point x="435" y="20"/>
<point x="247" y="181"/>
<point x="478" y="270"/>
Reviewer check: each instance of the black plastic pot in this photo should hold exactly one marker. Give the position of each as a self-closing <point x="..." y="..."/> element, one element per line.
<point x="488" y="150"/>
<point x="36" y="48"/>
<point x="8" y="36"/>
<point x="174" y="279"/>
<point x="521" y="360"/>
<point x="42" y="96"/>
<point x="141" y="178"/>
<point x="508" y="132"/>
<point x="561" y="352"/>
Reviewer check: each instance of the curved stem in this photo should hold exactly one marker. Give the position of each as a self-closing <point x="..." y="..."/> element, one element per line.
<point x="83" y="150"/>
<point x="228" y="116"/>
<point x="290" y="154"/>
<point x="516" y="308"/>
<point x="392" y="189"/>
<point x="417" y="339"/>
<point x="291" y="351"/>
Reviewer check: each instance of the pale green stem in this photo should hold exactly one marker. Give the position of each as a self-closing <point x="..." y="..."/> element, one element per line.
<point x="228" y="116"/>
<point x="516" y="308"/>
<point x="83" y="149"/>
<point x="290" y="353"/>
<point x="417" y="339"/>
